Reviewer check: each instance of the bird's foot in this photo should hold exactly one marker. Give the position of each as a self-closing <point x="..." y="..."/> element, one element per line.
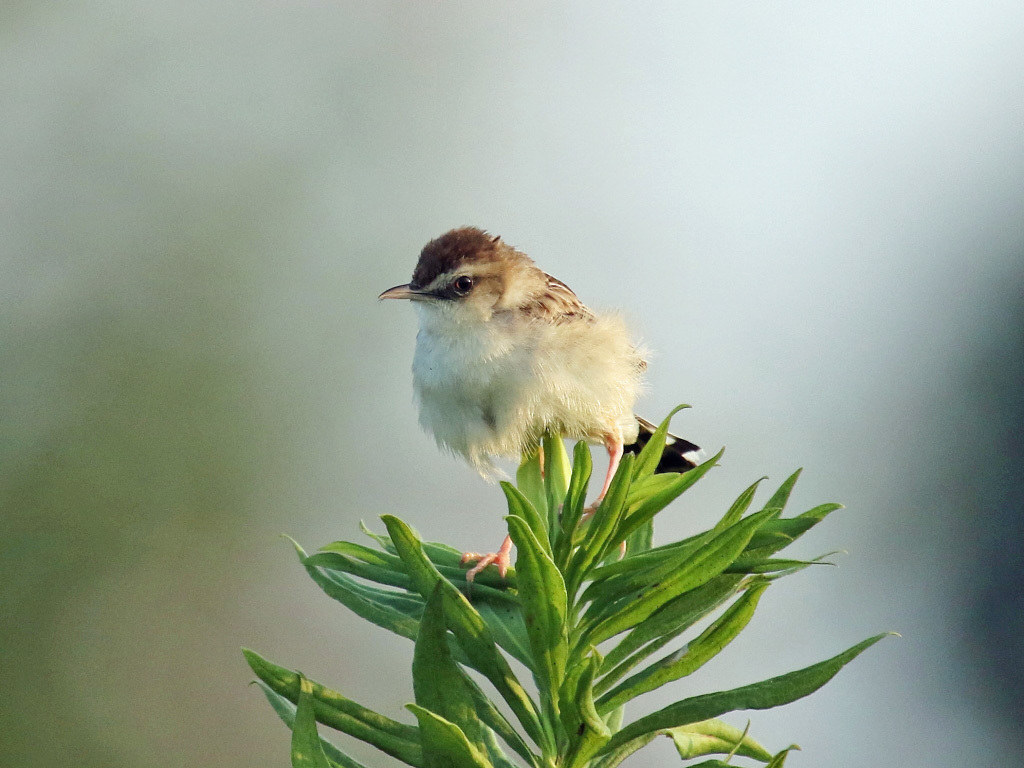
<point x="501" y="558"/>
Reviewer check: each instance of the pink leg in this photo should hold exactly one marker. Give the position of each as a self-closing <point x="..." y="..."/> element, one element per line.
<point x="614" y="457"/>
<point x="614" y="447"/>
<point x="500" y="558"/>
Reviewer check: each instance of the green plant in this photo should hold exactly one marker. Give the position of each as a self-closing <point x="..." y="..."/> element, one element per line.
<point x="569" y="595"/>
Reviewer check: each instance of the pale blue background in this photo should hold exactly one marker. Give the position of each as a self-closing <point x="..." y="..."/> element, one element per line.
<point x="813" y="212"/>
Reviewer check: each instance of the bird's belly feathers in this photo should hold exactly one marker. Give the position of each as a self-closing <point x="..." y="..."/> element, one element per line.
<point x="464" y="392"/>
<point x="484" y="396"/>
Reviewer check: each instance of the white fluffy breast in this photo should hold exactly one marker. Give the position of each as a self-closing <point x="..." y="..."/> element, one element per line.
<point x="490" y="389"/>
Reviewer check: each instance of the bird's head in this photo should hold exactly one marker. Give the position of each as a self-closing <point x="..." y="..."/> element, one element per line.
<point x="467" y="275"/>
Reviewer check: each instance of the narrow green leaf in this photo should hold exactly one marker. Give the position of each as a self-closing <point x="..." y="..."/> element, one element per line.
<point x="575" y="499"/>
<point x="611" y="759"/>
<point x="443" y="555"/>
<point x="497" y="723"/>
<point x="710" y="737"/>
<point x="393" y="612"/>
<point x="645" y="486"/>
<point x="618" y="581"/>
<point x="610" y="595"/>
<point x="777" y="565"/>
<point x="650" y="455"/>
<point x="444" y="743"/>
<point x="652" y="558"/>
<point x="782" y="532"/>
<point x="497" y="756"/>
<point x="780" y="759"/>
<point x="286" y="711"/>
<point x="530" y="480"/>
<point x="490" y="583"/>
<point x="644" y="560"/>
<point x="439" y="685"/>
<point x="543" y="597"/>
<point x="568" y="710"/>
<point x="507" y="627"/>
<point x="471" y="632"/>
<point x="393" y="572"/>
<point x="817" y="514"/>
<point x="690" y="658"/>
<point x="614" y="718"/>
<point x="380" y="574"/>
<point x="366" y="554"/>
<point x="601" y="535"/>
<point x="781" y="496"/>
<point x="520" y="506"/>
<point x="403" y="602"/>
<point x="424" y="574"/>
<point x="615" y="579"/>
<point x="656" y="503"/>
<point x="382" y="541"/>
<point x="557" y="474"/>
<point x="286" y="683"/>
<point x="476" y="640"/>
<point x="588" y="732"/>
<point x="739" y="507"/>
<point x="640" y="540"/>
<point x="668" y="622"/>
<point x="306" y="749"/>
<point x="334" y="710"/>
<point x="702" y="566"/>
<point x="665" y="626"/>
<point x="448" y="561"/>
<point x="764" y="695"/>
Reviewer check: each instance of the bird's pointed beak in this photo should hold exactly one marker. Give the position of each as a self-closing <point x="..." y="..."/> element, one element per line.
<point x="402" y="292"/>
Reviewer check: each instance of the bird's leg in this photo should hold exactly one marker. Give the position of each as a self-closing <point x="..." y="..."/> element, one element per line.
<point x="500" y="558"/>
<point x="614" y="447"/>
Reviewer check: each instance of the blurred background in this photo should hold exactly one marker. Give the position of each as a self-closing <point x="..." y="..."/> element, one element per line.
<point x="812" y="212"/>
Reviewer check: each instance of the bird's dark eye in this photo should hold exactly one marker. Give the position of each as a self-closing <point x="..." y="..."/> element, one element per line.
<point x="463" y="284"/>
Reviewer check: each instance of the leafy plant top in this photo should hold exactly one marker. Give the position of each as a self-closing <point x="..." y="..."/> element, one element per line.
<point x="590" y="625"/>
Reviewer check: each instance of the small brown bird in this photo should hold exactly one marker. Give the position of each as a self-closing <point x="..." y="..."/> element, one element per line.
<point x="505" y="352"/>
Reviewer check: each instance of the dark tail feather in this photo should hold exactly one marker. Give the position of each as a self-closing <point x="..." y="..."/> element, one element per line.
<point x="679" y="456"/>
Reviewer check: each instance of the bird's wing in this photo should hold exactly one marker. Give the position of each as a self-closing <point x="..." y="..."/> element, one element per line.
<point x="558" y="304"/>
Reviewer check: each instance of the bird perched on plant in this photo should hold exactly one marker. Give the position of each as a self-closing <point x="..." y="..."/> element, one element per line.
<point x="505" y="352"/>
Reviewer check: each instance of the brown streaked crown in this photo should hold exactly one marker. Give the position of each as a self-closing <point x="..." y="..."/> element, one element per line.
<point x="465" y="245"/>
